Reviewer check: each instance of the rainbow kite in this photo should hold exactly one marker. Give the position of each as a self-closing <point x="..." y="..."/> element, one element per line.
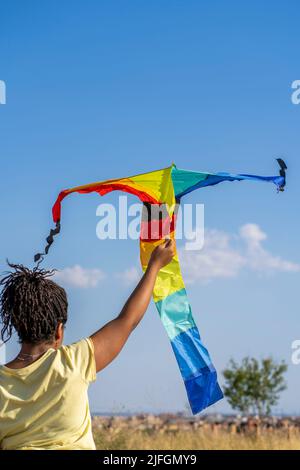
<point x="164" y="188"/>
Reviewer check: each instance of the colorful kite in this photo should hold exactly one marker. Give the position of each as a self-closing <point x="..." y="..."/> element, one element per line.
<point x="163" y="189"/>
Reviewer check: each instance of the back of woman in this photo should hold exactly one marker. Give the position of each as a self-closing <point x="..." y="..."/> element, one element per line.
<point x="45" y="404"/>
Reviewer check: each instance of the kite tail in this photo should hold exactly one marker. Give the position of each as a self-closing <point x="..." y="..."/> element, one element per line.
<point x="38" y="257"/>
<point x="197" y="370"/>
<point x="56" y="212"/>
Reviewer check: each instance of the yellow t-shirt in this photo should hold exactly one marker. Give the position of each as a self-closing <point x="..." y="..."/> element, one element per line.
<point x="45" y="405"/>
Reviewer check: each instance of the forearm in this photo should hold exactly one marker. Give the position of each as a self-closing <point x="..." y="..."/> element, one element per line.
<point x="136" y="305"/>
<point x="109" y="340"/>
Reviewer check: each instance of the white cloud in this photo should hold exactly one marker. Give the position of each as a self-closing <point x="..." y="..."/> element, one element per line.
<point x="129" y="276"/>
<point x="77" y="276"/>
<point x="225" y="255"/>
<point x="258" y="258"/>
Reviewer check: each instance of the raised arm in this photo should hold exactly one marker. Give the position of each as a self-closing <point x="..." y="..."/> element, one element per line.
<point x="110" y="339"/>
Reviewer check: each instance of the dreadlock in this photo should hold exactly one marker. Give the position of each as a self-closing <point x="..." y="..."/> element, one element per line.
<point x="31" y="304"/>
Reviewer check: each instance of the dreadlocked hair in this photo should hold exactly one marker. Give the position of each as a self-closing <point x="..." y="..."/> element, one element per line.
<point x="32" y="304"/>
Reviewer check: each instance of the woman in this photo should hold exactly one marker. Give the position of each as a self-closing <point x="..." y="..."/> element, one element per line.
<point x="43" y="391"/>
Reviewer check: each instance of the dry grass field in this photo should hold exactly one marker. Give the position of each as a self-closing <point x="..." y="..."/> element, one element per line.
<point x="197" y="440"/>
<point x="133" y="434"/>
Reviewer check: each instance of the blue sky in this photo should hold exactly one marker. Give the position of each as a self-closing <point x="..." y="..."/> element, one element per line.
<point x="103" y="89"/>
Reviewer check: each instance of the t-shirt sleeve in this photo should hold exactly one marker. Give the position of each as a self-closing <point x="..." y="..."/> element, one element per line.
<point x="82" y="358"/>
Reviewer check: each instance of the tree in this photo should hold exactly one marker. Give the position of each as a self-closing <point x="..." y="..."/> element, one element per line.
<point x="253" y="386"/>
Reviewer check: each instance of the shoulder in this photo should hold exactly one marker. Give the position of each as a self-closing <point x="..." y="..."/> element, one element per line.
<point x="80" y="356"/>
<point x="82" y="346"/>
